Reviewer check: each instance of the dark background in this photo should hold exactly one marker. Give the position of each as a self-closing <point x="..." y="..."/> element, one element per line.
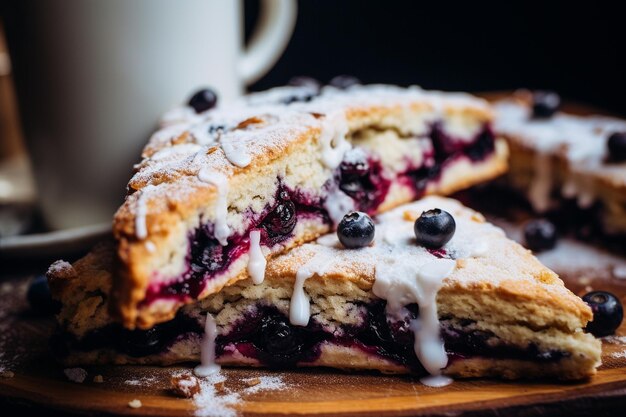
<point x="578" y="51"/>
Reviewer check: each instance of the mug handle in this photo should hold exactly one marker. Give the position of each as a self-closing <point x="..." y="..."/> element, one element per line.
<point x="277" y="20"/>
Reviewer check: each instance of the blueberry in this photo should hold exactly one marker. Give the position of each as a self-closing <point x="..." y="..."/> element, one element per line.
<point x="356" y="230"/>
<point x="539" y="235"/>
<point x="344" y="81"/>
<point x="607" y="313"/>
<point x="203" y="100"/>
<point x="39" y="296"/>
<point x="617" y="146"/>
<point x="434" y="228"/>
<point x="282" y="219"/>
<point x="304" y="81"/>
<point x="545" y="104"/>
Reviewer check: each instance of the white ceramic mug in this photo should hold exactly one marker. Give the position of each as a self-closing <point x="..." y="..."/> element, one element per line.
<point x="93" y="77"/>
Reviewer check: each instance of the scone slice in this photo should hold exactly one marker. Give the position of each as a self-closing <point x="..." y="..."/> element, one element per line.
<point x="287" y="164"/>
<point x="563" y="163"/>
<point x="481" y="306"/>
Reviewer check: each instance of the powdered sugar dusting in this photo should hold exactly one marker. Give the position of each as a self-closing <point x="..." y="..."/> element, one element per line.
<point x="213" y="402"/>
<point x="141" y="381"/>
<point x="261" y="124"/>
<point x="266" y="383"/>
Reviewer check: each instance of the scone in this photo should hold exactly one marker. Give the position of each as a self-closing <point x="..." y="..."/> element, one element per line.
<point x="479" y="306"/>
<point x="562" y="162"/>
<point x="287" y="163"/>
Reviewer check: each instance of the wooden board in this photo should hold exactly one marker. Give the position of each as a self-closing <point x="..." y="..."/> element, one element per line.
<point x="40" y="381"/>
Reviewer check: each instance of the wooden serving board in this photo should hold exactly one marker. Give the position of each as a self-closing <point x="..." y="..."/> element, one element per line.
<point x="39" y="381"/>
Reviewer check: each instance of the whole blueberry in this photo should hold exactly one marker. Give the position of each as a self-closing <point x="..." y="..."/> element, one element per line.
<point x="607" y="313"/>
<point x="617" y="146"/>
<point x="356" y="230"/>
<point x="545" y="104"/>
<point x="434" y="228"/>
<point x="39" y="296"/>
<point x="344" y="81"/>
<point x="540" y="234"/>
<point x="203" y="100"/>
<point x="304" y="81"/>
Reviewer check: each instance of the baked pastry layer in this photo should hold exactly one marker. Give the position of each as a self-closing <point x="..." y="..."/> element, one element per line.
<point x="289" y="164"/>
<point x="501" y="313"/>
<point x="562" y="163"/>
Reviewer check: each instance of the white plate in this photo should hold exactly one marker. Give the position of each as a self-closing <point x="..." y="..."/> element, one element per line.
<point x="54" y="243"/>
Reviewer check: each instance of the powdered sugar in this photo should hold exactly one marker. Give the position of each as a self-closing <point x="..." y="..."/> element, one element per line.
<point x="140" y="381"/>
<point x="266" y="383"/>
<point x="211" y="402"/>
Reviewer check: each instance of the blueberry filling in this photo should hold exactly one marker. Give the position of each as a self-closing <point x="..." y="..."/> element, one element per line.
<point x="447" y="149"/>
<point x="360" y="176"/>
<point x="266" y="335"/>
<point x="206" y="258"/>
<point x="362" y="179"/>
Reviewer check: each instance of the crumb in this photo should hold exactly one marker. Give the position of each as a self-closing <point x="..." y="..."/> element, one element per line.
<point x="98" y="379"/>
<point x="410" y="216"/>
<point x="7" y="374"/>
<point x="252" y="382"/>
<point x="478" y="218"/>
<point x="185" y="385"/>
<point x="135" y="403"/>
<point x="219" y="387"/>
<point x="77" y="375"/>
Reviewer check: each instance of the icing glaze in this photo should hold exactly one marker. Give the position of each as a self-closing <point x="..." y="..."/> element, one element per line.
<point x="141" y="229"/>
<point x="299" y="307"/>
<point x="405" y="273"/>
<point x="257" y="261"/>
<point x="222" y="231"/>
<point x="207" y="349"/>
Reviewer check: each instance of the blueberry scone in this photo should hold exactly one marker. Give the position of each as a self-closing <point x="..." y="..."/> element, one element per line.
<point x="562" y="162"/>
<point x="428" y="288"/>
<point x="278" y="169"/>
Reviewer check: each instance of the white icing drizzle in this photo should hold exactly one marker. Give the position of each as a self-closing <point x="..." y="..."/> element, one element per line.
<point x="182" y="149"/>
<point x="141" y="229"/>
<point x="207" y="349"/>
<point x="333" y="139"/>
<point x="299" y="307"/>
<point x="256" y="261"/>
<point x="404" y="272"/>
<point x="406" y="281"/>
<point x="236" y="152"/>
<point x="222" y="231"/>
<point x="337" y="204"/>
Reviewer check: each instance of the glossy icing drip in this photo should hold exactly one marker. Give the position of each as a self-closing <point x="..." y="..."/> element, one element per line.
<point x="257" y="261"/>
<point x="402" y="282"/>
<point x="207" y="349"/>
<point x="222" y="231"/>
<point x="141" y="229"/>
<point x="299" y="307"/>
